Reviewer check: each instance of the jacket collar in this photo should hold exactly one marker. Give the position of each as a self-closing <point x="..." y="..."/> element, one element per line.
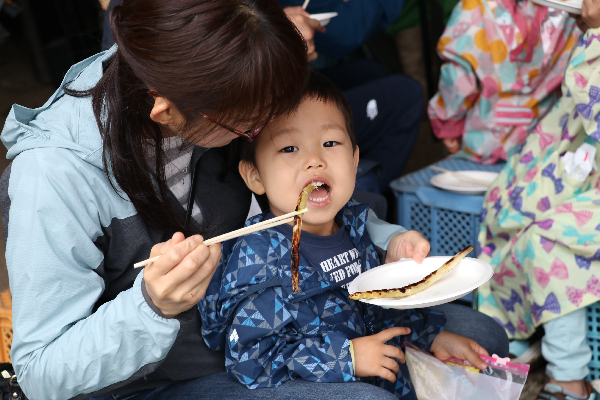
<point x="355" y="220"/>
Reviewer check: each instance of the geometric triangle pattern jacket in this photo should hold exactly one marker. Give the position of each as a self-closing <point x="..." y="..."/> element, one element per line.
<point x="271" y="335"/>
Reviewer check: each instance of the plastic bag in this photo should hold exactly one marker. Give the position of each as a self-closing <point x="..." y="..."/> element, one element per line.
<point x="458" y="379"/>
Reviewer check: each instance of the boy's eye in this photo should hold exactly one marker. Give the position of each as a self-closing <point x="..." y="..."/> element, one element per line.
<point x="331" y="143"/>
<point x="289" y="149"/>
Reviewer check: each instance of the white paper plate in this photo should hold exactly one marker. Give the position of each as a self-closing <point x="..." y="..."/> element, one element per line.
<point x="457" y="184"/>
<point x="467" y="276"/>
<point x="324" y="18"/>
<point x="570" y="6"/>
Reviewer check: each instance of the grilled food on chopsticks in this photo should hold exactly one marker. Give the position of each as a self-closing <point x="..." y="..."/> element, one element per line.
<point x="296" y="232"/>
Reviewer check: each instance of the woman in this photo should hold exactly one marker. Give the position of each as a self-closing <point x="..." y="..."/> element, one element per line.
<point x="104" y="175"/>
<point x="90" y="193"/>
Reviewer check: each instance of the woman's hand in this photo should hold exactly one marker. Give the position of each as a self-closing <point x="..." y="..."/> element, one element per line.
<point x="179" y="278"/>
<point x="409" y="244"/>
<point x="590" y="14"/>
<point x="452" y="144"/>
<point x="447" y="345"/>
<point x="372" y="357"/>
<point x="306" y="26"/>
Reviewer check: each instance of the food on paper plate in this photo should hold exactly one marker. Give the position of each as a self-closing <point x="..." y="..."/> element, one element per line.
<point x="417" y="287"/>
<point x="296" y="232"/>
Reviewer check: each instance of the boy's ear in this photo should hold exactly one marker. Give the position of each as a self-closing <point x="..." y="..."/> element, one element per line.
<point x="250" y="175"/>
<point x="356" y="156"/>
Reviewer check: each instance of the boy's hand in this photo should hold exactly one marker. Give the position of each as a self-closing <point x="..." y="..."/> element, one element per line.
<point x="372" y="357"/>
<point x="409" y="244"/>
<point x="590" y="13"/>
<point x="447" y="345"/>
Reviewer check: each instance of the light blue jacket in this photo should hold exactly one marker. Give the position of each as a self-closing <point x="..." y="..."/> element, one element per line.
<point x="61" y="205"/>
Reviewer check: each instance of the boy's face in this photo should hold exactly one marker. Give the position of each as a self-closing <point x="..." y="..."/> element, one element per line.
<point x="311" y="145"/>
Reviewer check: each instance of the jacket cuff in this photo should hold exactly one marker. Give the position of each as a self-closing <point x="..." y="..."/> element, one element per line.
<point x="150" y="302"/>
<point x="452" y="128"/>
<point x="353" y="359"/>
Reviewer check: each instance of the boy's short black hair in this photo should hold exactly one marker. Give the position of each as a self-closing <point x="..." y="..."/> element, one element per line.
<point x="320" y="88"/>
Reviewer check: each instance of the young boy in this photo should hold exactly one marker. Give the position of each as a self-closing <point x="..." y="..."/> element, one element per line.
<point x="271" y="334"/>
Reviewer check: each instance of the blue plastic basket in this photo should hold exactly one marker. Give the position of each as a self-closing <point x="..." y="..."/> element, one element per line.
<point x="449" y="221"/>
<point x="593" y="339"/>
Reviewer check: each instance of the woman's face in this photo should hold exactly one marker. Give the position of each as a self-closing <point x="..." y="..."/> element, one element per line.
<point x="172" y="121"/>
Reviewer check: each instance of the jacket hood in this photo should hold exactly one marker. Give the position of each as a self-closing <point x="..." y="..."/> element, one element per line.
<point x="63" y="121"/>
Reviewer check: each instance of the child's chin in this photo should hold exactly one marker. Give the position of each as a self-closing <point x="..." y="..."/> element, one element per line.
<point x="319" y="216"/>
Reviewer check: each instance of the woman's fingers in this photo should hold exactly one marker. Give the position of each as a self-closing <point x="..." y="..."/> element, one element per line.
<point x="160" y="248"/>
<point x="174" y="255"/>
<point x="195" y="286"/>
<point x="186" y="265"/>
<point x="187" y="275"/>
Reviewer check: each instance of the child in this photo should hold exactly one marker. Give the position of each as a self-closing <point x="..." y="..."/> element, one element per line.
<point x="271" y="334"/>
<point x="504" y="61"/>
<point x="540" y="225"/>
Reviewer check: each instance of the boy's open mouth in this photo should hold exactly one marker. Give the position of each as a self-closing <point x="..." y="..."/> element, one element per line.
<point x="321" y="194"/>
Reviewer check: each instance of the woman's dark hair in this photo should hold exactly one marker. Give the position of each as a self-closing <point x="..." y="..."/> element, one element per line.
<point x="238" y="61"/>
<point x="320" y="88"/>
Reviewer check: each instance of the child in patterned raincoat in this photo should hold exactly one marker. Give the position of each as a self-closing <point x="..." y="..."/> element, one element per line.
<point x="498" y="80"/>
<point x="541" y="225"/>
<point x="271" y="334"/>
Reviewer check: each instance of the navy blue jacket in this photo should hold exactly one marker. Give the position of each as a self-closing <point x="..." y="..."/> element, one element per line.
<point x="271" y="334"/>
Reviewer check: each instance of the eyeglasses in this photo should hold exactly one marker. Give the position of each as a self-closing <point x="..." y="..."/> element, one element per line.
<point x="249" y="135"/>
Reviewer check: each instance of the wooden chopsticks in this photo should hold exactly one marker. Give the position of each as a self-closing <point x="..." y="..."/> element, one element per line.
<point x="283" y="219"/>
